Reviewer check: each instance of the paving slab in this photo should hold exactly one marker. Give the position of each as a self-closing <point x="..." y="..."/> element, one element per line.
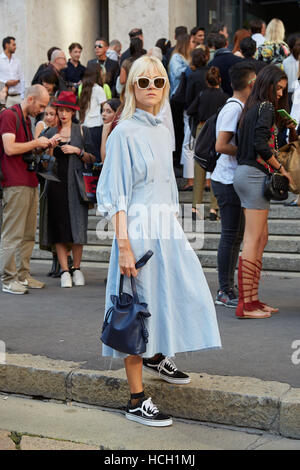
<point x="5" y="441"/>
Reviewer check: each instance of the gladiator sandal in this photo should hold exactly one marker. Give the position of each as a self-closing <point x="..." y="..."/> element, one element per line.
<point x="245" y="308"/>
<point x="255" y="300"/>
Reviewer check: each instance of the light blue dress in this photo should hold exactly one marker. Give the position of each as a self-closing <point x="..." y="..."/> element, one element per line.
<point x="138" y="178"/>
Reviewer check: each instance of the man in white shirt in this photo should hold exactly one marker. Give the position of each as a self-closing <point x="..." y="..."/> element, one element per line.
<point x="291" y="65"/>
<point x="11" y="72"/>
<point x="258" y="30"/>
<point x="242" y="76"/>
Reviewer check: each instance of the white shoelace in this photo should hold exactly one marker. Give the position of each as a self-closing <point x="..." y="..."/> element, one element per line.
<point x="167" y="361"/>
<point x="148" y="406"/>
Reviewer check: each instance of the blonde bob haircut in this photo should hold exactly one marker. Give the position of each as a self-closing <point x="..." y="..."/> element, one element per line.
<point x="275" y="31"/>
<point x="143" y="66"/>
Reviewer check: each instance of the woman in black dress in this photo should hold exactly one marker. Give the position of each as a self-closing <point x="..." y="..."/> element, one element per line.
<point x="65" y="218"/>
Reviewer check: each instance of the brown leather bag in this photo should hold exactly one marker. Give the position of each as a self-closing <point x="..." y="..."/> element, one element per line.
<point x="289" y="156"/>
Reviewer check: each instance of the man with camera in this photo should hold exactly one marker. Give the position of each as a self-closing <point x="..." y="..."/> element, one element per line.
<point x="20" y="190"/>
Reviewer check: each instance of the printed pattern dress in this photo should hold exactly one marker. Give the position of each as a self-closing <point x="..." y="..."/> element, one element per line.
<point x="138" y="178"/>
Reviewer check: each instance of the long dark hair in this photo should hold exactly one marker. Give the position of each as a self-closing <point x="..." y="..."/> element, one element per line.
<point x="265" y="88"/>
<point x="136" y="48"/>
<point x="93" y="75"/>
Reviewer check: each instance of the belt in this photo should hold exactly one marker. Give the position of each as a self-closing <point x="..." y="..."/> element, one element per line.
<point x="14" y="94"/>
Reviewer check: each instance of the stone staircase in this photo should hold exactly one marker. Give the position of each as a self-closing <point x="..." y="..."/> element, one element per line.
<point x="282" y="253"/>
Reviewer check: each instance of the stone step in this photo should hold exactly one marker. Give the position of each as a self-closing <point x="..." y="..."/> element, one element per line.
<point x="287" y="262"/>
<point x="277" y="244"/>
<point x="187" y="198"/>
<point x="208" y="241"/>
<point x="276" y="226"/>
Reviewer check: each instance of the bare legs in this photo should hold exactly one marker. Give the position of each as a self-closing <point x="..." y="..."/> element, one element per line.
<point x="134" y="368"/>
<point x="62" y="254"/>
<point x="256" y="234"/>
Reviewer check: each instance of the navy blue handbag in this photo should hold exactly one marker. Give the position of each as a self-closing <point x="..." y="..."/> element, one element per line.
<point x="124" y="327"/>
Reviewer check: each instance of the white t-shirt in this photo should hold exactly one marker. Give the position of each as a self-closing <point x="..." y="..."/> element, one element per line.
<point x="93" y="116"/>
<point x="291" y="68"/>
<point x="259" y="39"/>
<point x="227" y="121"/>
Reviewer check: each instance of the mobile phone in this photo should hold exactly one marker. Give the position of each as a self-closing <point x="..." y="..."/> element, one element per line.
<point x="286" y="115"/>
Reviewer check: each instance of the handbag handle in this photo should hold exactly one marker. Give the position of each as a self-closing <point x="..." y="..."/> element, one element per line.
<point x="139" y="264"/>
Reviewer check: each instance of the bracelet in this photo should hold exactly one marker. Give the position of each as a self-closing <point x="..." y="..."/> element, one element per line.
<point x="278" y="169"/>
<point x="81" y="155"/>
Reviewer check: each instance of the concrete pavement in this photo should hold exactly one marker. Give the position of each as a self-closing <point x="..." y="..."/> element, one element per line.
<point x="53" y="350"/>
<point x="48" y="425"/>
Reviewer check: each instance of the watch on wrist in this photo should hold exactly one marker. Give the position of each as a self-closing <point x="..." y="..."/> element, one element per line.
<point x="81" y="155"/>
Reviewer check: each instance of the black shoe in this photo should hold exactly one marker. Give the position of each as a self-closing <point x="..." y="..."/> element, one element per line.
<point x="145" y="412"/>
<point x="227" y="299"/>
<point x="55" y="266"/>
<point x="165" y="369"/>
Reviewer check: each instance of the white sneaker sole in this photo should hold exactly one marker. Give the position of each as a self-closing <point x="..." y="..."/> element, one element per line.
<point x="217" y="302"/>
<point x="8" y="291"/>
<point x="170" y="380"/>
<point x="148" y="422"/>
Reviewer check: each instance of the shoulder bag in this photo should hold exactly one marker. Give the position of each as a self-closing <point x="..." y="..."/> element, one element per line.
<point x="87" y="180"/>
<point x="276" y="185"/>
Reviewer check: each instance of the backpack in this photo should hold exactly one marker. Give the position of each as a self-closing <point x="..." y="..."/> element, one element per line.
<point x="205" y="148"/>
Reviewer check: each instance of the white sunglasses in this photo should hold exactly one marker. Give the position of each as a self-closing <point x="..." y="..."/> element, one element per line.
<point x="144" y="83"/>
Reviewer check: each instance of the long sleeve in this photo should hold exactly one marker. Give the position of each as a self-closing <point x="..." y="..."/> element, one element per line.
<point x="114" y="190"/>
<point x="262" y="131"/>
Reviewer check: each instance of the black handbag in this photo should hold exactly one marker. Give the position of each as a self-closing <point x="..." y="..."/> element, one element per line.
<point x="276" y="187"/>
<point x="124" y="327"/>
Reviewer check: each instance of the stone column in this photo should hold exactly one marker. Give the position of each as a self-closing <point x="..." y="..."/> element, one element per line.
<point x="157" y="18"/>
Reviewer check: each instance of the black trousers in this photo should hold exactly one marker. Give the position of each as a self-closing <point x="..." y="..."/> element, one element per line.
<point x="232" y="232"/>
<point x="177" y="115"/>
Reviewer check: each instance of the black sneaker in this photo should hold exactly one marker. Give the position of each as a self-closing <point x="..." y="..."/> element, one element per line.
<point x="227" y="299"/>
<point x="165" y="369"/>
<point x="145" y="412"/>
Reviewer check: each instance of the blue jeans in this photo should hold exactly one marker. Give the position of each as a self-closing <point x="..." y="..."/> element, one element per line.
<point x="232" y="233"/>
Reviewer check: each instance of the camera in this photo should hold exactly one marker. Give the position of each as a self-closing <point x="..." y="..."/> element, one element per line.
<point x="32" y="161"/>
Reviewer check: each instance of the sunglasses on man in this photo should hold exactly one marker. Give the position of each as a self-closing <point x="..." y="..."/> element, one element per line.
<point x="99" y="46"/>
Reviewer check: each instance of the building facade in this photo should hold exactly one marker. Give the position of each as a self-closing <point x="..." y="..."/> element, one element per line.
<point x="40" y="24"/>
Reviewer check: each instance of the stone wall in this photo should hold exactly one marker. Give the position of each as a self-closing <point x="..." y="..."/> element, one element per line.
<point x="40" y="24"/>
<point x="150" y="15"/>
<point x="157" y="18"/>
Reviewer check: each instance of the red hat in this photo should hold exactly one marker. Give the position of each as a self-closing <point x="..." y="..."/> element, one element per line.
<point x="67" y="99"/>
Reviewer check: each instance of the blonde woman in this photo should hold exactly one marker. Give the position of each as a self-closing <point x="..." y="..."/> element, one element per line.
<point x="274" y="50"/>
<point x="137" y="190"/>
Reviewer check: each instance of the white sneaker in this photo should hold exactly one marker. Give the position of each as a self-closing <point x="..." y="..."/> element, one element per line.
<point x="66" y="280"/>
<point x="14" y="287"/>
<point x="78" y="278"/>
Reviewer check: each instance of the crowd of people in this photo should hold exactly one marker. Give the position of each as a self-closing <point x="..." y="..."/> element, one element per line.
<point x="139" y="115"/>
